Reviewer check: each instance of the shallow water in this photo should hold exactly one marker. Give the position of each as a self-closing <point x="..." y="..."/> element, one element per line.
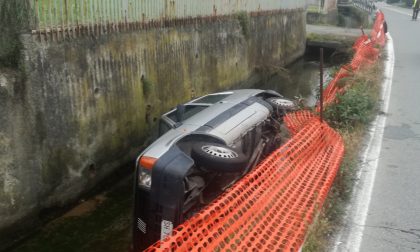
<point x="300" y="80"/>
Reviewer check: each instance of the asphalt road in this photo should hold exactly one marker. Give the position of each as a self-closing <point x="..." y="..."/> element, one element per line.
<point x="387" y="215"/>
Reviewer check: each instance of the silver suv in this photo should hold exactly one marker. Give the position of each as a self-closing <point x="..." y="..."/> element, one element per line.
<point x="205" y="146"/>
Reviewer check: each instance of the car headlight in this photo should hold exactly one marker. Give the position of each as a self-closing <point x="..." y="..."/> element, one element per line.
<point x="145" y="171"/>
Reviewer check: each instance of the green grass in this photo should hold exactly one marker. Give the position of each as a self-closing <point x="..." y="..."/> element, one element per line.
<point x="351" y="118"/>
<point x="355" y="108"/>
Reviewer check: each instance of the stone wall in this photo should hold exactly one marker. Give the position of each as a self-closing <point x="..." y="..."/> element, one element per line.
<point x="77" y="107"/>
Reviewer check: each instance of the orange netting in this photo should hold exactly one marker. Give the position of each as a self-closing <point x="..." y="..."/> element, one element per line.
<point x="361" y="40"/>
<point x="336" y="86"/>
<point x="378" y="32"/>
<point x="271" y="207"/>
<point x="366" y="54"/>
<point x="296" y="120"/>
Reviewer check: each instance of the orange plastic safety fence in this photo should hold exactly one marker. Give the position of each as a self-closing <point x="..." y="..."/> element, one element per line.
<point x="270" y="208"/>
<point x="366" y="53"/>
<point x="378" y="32"/>
<point x="297" y="120"/>
<point x="359" y="41"/>
<point x="336" y="86"/>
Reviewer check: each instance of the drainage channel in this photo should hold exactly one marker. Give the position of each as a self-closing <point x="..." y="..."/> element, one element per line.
<point x="103" y="222"/>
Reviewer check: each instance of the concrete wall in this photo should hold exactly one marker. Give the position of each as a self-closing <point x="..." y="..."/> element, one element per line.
<point x="76" y="107"/>
<point x="14" y="18"/>
<point x="62" y="14"/>
<point x="322" y="6"/>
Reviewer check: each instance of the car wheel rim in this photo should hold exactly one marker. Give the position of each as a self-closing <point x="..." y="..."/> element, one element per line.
<point x="283" y="103"/>
<point x="218" y="151"/>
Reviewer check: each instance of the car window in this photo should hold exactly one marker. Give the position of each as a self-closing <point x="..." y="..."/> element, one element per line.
<point x="163" y="127"/>
<point x="190" y="110"/>
<point x="211" y="99"/>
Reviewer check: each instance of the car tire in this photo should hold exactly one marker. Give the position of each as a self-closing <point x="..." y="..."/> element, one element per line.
<point x="218" y="157"/>
<point x="281" y="104"/>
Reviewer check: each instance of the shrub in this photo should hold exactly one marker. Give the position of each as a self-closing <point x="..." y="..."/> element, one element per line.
<point x="354" y="107"/>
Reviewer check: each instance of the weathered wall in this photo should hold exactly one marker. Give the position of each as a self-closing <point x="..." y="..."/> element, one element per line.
<point x="65" y="14"/>
<point x="79" y="105"/>
<point x="322" y="6"/>
<point x="322" y="12"/>
<point x="13" y="20"/>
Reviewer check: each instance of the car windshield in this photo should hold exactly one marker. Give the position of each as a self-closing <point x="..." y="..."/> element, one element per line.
<point x="190" y="110"/>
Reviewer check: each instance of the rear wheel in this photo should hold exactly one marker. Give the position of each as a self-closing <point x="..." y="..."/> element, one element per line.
<point x="282" y="103"/>
<point x="218" y="157"/>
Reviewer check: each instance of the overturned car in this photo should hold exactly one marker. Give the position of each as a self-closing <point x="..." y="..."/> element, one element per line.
<point x="204" y="147"/>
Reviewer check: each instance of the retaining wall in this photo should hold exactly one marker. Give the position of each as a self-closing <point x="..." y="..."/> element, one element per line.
<point x="322" y="6"/>
<point x="80" y="102"/>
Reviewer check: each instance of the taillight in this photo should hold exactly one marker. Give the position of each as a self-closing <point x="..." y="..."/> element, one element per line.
<point x="147" y="162"/>
<point x="145" y="171"/>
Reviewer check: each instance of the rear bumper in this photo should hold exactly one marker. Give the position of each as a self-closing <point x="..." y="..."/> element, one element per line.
<point x="144" y="230"/>
<point x="164" y="202"/>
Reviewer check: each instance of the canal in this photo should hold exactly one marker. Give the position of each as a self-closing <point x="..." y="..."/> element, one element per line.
<point x="103" y="222"/>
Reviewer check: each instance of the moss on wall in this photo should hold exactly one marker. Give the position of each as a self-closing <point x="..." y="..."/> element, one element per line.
<point x="14" y="17"/>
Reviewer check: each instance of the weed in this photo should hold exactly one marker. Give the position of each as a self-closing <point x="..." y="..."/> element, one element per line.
<point x="351" y="116"/>
<point x="244" y="22"/>
<point x="354" y="107"/>
<point x="358" y="105"/>
<point x="147" y="86"/>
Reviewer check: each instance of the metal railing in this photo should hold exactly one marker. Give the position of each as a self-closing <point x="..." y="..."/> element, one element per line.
<point x="366" y="5"/>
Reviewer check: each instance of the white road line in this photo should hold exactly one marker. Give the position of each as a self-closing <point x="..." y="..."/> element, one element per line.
<point x="359" y="206"/>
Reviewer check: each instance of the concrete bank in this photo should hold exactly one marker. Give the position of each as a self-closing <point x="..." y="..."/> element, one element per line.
<point x="332" y="36"/>
<point x="79" y="103"/>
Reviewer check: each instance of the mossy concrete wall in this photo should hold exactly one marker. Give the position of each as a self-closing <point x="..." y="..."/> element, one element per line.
<point x="13" y="20"/>
<point x="76" y="109"/>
